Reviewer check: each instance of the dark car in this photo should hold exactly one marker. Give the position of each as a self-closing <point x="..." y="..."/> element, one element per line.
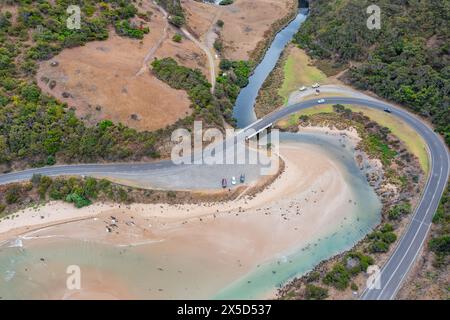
<point x="224" y="183"/>
<point x="387" y="110"/>
<point x="242" y="178"/>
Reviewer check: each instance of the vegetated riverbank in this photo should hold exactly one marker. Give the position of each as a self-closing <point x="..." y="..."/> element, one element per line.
<point x="268" y="98"/>
<point x="261" y="48"/>
<point x="85" y="191"/>
<point x="30" y="141"/>
<point x="295" y="69"/>
<point x="413" y="140"/>
<point x="398" y="183"/>
<point x="245" y="27"/>
<point x="176" y="247"/>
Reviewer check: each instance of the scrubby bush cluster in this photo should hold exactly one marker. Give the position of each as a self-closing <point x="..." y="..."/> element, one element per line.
<point x="79" y="191"/>
<point x="399" y="210"/>
<point x="125" y="28"/>
<point x="38" y="129"/>
<point x="35" y="129"/>
<point x="342" y="272"/>
<point x="440" y="238"/>
<point x="208" y="106"/>
<point x="382" y="239"/>
<point x="175" y="10"/>
<point x="234" y="76"/>
<point x="226" y="2"/>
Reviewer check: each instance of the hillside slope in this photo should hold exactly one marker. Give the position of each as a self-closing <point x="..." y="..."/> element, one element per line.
<point x="406" y="61"/>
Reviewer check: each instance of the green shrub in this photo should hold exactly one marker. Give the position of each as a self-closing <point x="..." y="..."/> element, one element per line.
<point x="174" y="8"/>
<point x="440" y="244"/>
<point x="13" y="193"/>
<point x="313" y="292"/>
<point x="399" y="210"/>
<point x="177" y="21"/>
<point x="177" y="37"/>
<point x="389" y="237"/>
<point x="225" y="2"/>
<point x="44" y="183"/>
<point x="379" y="246"/>
<point x="218" y="45"/>
<point x="51" y="160"/>
<point x="78" y="200"/>
<point x="363" y="262"/>
<point x="313" y="276"/>
<point x="124" y="28"/>
<point x="90" y="187"/>
<point x="171" y="194"/>
<point x="338" y="277"/>
<point x="387" y="228"/>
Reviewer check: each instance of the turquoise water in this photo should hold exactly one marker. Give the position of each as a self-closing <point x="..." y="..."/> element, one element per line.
<point x="187" y="273"/>
<point x="365" y="216"/>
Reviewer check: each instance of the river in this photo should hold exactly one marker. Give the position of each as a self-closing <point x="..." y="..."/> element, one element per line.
<point x="25" y="274"/>
<point x="243" y="110"/>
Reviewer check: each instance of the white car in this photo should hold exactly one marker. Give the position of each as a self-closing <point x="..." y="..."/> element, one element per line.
<point x="233" y="180"/>
<point x="302" y="88"/>
<point x="315" y="85"/>
<point x="321" y="101"/>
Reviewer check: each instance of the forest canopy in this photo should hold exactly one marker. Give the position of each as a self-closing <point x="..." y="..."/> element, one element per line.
<point x="406" y="61"/>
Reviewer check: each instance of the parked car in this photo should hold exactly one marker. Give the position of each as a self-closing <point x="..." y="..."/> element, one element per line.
<point x="321" y="100"/>
<point x="387" y="110"/>
<point x="242" y="178"/>
<point x="233" y="180"/>
<point x="303" y="88"/>
<point x="224" y="183"/>
<point x="315" y="85"/>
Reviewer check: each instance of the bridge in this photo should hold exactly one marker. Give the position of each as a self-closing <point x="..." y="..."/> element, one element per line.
<point x="397" y="267"/>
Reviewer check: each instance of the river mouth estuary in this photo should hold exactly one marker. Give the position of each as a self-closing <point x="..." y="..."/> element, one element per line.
<point x="320" y="206"/>
<point x="244" y="249"/>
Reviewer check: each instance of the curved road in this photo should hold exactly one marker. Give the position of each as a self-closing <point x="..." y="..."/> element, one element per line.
<point x="397" y="267"/>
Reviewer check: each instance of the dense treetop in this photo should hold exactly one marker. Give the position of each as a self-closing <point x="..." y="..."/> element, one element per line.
<point x="407" y="60"/>
<point x="36" y="129"/>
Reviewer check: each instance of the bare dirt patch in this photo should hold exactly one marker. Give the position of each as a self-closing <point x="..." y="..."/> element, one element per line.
<point x="102" y="80"/>
<point x="248" y="23"/>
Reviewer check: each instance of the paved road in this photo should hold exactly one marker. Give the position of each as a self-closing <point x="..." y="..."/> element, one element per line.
<point x="397" y="267"/>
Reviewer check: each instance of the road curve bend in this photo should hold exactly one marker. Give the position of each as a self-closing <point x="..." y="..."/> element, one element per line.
<point x="397" y="267"/>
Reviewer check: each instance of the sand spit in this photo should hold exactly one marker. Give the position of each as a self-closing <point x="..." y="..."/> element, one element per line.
<point x="308" y="200"/>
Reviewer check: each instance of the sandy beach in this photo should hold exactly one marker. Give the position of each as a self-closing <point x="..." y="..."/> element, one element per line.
<point x="303" y="203"/>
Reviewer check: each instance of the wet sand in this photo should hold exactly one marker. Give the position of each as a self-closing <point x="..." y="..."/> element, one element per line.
<point x="220" y="242"/>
